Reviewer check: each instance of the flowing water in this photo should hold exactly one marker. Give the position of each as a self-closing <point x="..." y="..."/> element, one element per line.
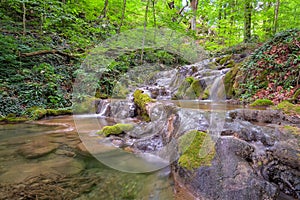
<point x="68" y="159"/>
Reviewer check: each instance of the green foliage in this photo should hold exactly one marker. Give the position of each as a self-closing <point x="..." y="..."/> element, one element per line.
<point x="273" y="69"/>
<point x="115" y="129"/>
<point x="193" y="146"/>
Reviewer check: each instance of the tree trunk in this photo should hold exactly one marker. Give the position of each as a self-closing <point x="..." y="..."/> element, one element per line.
<point x="123" y="16"/>
<point x="247" y="21"/>
<point x="276" y="12"/>
<point x="24" y="18"/>
<point x="145" y="26"/>
<point x="104" y="11"/>
<point x="194" y="5"/>
<point x="154" y="13"/>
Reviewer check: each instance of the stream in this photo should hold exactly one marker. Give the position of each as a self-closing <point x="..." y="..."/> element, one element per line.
<point x="256" y="150"/>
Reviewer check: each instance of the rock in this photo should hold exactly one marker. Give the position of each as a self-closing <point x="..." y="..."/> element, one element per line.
<point x="63" y="165"/>
<point x="65" y="153"/>
<point x="229" y="177"/>
<point x="38" y="147"/>
<point x="263" y="116"/>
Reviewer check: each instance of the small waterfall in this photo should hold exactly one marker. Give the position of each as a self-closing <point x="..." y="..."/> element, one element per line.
<point x="217" y="91"/>
<point x="103" y="108"/>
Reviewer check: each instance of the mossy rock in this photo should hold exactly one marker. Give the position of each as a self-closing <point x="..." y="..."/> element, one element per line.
<point x="35" y="113"/>
<point x="60" y="111"/>
<point x="291" y="129"/>
<point x="262" y="102"/>
<point x="115" y="129"/>
<point x="189" y="89"/>
<point x="288" y="108"/>
<point x="13" y="119"/>
<point x="223" y="60"/>
<point x="141" y="100"/>
<point x="296" y="95"/>
<point x="197" y="149"/>
<point x="229" y="81"/>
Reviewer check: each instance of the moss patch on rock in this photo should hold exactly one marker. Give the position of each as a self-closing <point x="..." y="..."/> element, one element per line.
<point x="13" y="119"/>
<point x="229" y="81"/>
<point x="197" y="149"/>
<point x="189" y="89"/>
<point x="115" y="129"/>
<point x="291" y="129"/>
<point x="262" y="102"/>
<point x="288" y="108"/>
<point x="141" y="100"/>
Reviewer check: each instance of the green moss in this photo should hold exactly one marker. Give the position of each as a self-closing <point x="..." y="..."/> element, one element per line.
<point x="223" y="60"/>
<point x="292" y="129"/>
<point x="35" y="113"/>
<point x="60" y="111"/>
<point x="197" y="149"/>
<point x="115" y="129"/>
<point x="15" y="119"/>
<point x="229" y="81"/>
<point x="206" y="93"/>
<point x="262" y="102"/>
<point x="189" y="89"/>
<point x="12" y="119"/>
<point x="288" y="108"/>
<point x="141" y="100"/>
<point x="296" y="94"/>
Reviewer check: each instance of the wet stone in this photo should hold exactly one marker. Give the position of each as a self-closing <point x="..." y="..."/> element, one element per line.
<point x="37" y="147"/>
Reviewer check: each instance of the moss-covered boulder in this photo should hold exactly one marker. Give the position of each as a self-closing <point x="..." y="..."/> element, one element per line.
<point x="142" y="100"/>
<point x="190" y="88"/>
<point x="229" y="81"/>
<point x="115" y="129"/>
<point x="197" y="149"/>
<point x="288" y="108"/>
<point x="262" y="102"/>
<point x="35" y="113"/>
<point x="59" y="111"/>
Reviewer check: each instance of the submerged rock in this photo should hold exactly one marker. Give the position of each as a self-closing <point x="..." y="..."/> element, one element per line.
<point x="38" y="147"/>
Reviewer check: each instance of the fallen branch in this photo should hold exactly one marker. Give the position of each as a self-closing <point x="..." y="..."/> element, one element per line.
<point x="43" y="52"/>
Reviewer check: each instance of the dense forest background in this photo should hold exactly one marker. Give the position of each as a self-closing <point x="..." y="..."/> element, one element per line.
<point x="43" y="42"/>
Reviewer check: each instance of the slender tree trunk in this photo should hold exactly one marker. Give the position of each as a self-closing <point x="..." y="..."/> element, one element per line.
<point x="123" y="16"/>
<point x="24" y="18"/>
<point x="145" y="26"/>
<point x="154" y="13"/>
<point x="276" y="12"/>
<point x="104" y="11"/>
<point x="194" y="5"/>
<point x="247" y="21"/>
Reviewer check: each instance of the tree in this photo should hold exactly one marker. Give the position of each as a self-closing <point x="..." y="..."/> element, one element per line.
<point x="276" y="12"/>
<point x="247" y="21"/>
<point x="194" y="6"/>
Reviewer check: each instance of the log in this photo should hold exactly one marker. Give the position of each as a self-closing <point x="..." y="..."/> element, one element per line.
<point x="43" y="52"/>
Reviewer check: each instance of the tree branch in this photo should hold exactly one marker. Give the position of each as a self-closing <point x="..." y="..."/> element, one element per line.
<point x="44" y="52"/>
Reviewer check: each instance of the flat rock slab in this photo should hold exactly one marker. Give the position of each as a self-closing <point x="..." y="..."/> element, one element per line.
<point x="59" y="165"/>
<point x="37" y="147"/>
